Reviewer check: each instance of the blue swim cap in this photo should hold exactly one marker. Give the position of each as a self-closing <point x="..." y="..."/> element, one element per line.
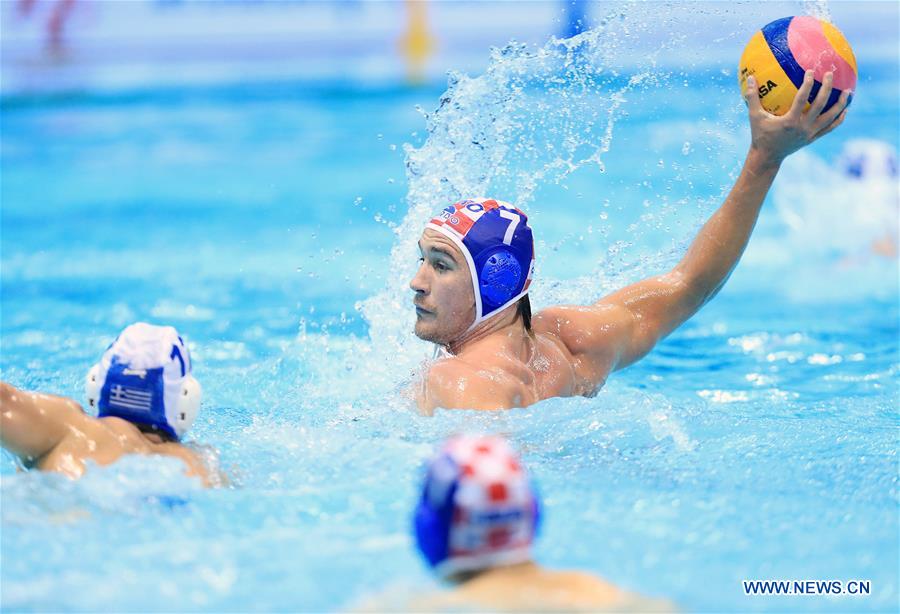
<point x="478" y="507"/>
<point x="145" y="377"/>
<point x="498" y="246"/>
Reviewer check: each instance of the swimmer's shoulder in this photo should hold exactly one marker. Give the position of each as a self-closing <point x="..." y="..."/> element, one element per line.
<point x="403" y="599"/>
<point x="590" y="337"/>
<point x="81" y="426"/>
<point x="89" y="431"/>
<point x="102" y="441"/>
<point x="589" y="592"/>
<point x="585" y="584"/>
<point x="124" y="437"/>
<point x="458" y="383"/>
<point x="118" y="437"/>
<point x="195" y="464"/>
<point x="541" y="590"/>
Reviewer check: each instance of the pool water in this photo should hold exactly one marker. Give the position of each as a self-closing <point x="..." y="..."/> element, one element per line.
<point x="274" y="225"/>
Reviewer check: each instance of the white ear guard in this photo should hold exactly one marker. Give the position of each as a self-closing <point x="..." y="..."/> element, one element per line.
<point x="92" y="387"/>
<point x="187" y="406"/>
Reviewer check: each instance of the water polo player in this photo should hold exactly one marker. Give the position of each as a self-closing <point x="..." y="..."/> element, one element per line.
<point x="475" y="525"/>
<point x="478" y="259"/>
<point x="146" y="399"/>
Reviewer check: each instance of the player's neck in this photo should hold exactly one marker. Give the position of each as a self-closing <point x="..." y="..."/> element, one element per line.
<point x="156" y="439"/>
<point x="517" y="570"/>
<point x="505" y="327"/>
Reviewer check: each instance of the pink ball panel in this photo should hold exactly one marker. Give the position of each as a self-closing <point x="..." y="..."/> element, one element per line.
<point x="811" y="49"/>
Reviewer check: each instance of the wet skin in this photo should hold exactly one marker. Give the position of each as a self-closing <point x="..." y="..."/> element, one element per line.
<point x="53" y="433"/>
<point x="573" y="349"/>
<point x="524" y="587"/>
<point x="528" y="587"/>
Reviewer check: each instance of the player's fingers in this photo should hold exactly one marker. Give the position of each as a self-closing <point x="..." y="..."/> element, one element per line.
<point x="802" y="94"/>
<point x="822" y="97"/>
<point x="832" y="125"/>
<point x="827" y="118"/>
<point x="751" y="96"/>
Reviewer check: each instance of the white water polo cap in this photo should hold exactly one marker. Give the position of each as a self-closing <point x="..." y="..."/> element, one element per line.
<point x="867" y="159"/>
<point x="144" y="377"/>
<point x="497" y="243"/>
<point x="478" y="508"/>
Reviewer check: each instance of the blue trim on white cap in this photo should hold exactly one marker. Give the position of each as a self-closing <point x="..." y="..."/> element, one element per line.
<point x="136" y="395"/>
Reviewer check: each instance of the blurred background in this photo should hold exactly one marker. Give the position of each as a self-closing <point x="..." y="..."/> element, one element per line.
<point x="58" y="45"/>
<point x="52" y="45"/>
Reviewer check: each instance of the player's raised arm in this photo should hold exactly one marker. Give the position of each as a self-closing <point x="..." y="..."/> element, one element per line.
<point x="31" y="423"/>
<point x="624" y="326"/>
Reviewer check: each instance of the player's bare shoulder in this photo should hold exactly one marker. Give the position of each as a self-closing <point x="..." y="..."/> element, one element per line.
<point x="198" y="464"/>
<point x="455" y="383"/>
<point x="587" y="336"/>
<point x="102" y="441"/>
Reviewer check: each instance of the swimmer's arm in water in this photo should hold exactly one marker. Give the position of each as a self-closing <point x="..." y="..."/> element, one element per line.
<point x="624" y="326"/>
<point x="209" y="474"/>
<point x="32" y="424"/>
<point x="453" y="384"/>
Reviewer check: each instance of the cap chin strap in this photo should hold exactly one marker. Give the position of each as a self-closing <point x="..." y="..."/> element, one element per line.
<point x="479" y="308"/>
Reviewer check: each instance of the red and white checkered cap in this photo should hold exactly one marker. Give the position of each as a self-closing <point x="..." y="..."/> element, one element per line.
<point x="494" y="506"/>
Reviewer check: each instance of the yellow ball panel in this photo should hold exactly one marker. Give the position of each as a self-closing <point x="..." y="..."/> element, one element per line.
<point x="840" y="44"/>
<point x="776" y="91"/>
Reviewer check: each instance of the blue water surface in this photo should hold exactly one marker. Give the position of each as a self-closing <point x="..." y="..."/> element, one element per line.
<point x="757" y="442"/>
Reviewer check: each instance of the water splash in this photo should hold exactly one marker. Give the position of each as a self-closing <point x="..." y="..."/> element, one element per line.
<point x="818" y="8"/>
<point x="534" y="120"/>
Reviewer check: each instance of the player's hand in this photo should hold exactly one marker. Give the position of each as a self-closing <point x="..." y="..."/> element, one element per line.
<point x="776" y="137"/>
